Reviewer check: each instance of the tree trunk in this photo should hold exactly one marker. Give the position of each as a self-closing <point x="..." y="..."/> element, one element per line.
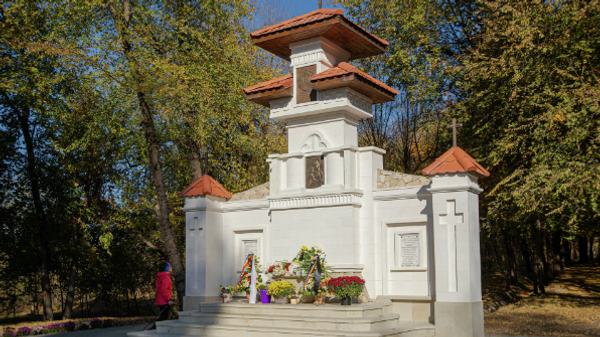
<point x="509" y="262"/>
<point x="539" y="256"/>
<point x="597" y="250"/>
<point x="583" y="249"/>
<point x="556" y="248"/>
<point x="122" y="21"/>
<point x="591" y="248"/>
<point x="195" y="165"/>
<point x="42" y="228"/>
<point x="566" y="252"/>
<point x="531" y="274"/>
<point x="70" y="293"/>
<point x="548" y="256"/>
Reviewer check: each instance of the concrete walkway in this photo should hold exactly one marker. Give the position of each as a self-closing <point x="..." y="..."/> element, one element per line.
<point x="109" y="332"/>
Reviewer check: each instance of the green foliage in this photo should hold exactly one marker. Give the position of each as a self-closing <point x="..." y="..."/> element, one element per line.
<point x="63" y="61"/>
<point x="532" y="111"/>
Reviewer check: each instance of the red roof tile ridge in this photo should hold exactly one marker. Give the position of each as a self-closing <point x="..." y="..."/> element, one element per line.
<point x="205" y="185"/>
<point x="325" y="11"/>
<point x="455" y="160"/>
<point x="259" y="86"/>
<point x="348" y="68"/>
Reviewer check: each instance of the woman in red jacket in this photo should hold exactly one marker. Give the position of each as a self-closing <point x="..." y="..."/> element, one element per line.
<point x="163" y="291"/>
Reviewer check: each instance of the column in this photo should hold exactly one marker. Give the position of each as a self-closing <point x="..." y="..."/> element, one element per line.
<point x="457" y="265"/>
<point x="204" y="250"/>
<point x="334" y="169"/>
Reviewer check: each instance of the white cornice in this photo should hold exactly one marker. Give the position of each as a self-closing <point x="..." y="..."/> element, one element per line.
<point x="400" y="193"/>
<point x="323" y="199"/>
<point x="245" y="205"/>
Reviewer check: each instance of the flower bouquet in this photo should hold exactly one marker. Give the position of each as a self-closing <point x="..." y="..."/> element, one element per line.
<point x="279" y="269"/>
<point x="345" y="288"/>
<point x="227" y="293"/>
<point x="264" y="297"/>
<point x="293" y="299"/>
<point x="280" y="290"/>
<point x="305" y="258"/>
<point x="245" y="281"/>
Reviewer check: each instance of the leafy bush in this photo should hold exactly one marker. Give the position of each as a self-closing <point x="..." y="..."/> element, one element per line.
<point x="54" y="327"/>
<point x="281" y="288"/>
<point x="24" y="331"/>
<point x="96" y="323"/>
<point x="83" y="326"/>
<point x="69" y="326"/>
<point x="39" y="330"/>
<point x="346" y="286"/>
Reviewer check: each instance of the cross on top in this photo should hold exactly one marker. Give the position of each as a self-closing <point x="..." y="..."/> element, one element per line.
<point x="454" y="125"/>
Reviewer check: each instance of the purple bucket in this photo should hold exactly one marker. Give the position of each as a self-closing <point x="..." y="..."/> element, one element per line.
<point x="264" y="298"/>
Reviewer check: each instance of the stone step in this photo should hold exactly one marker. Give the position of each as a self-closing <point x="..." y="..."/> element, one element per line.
<point x="382" y="322"/>
<point x="328" y="310"/>
<point x="404" y="330"/>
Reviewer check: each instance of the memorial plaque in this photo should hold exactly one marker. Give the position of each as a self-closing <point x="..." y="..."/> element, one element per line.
<point x="315" y="172"/>
<point x="409" y="250"/>
<point x="247" y="247"/>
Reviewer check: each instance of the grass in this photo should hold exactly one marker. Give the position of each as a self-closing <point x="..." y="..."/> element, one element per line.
<point x="571" y="308"/>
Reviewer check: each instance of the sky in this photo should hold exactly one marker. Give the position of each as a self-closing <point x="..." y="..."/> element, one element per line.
<point x="305" y="6"/>
<point x="299" y="7"/>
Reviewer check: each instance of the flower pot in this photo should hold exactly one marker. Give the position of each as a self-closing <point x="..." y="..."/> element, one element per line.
<point x="280" y="299"/>
<point x="319" y="300"/>
<point x="247" y="297"/>
<point x="293" y="301"/>
<point x="308" y="298"/>
<point x="347" y="300"/>
<point x="264" y="298"/>
<point x="227" y="298"/>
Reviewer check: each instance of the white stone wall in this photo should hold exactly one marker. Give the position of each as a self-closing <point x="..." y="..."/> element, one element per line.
<point x="405" y="212"/>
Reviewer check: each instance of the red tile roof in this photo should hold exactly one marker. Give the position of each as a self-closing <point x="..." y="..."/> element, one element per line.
<point x="455" y="160"/>
<point x="344" y="69"/>
<point x="314" y="16"/>
<point x="205" y="185"/>
<point x="286" y="81"/>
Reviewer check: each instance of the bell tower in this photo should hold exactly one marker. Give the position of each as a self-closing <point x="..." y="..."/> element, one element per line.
<point x="321" y="101"/>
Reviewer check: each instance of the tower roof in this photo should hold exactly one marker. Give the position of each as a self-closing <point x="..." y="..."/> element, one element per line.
<point x="328" y="23"/>
<point x="455" y="160"/>
<point x="205" y="185"/>
<point x="346" y="75"/>
<point x="264" y="92"/>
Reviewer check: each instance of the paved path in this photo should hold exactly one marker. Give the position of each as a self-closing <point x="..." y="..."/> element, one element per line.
<point x="122" y="332"/>
<point x="109" y="332"/>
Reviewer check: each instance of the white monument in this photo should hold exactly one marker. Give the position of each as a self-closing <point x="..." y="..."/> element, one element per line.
<point x="414" y="239"/>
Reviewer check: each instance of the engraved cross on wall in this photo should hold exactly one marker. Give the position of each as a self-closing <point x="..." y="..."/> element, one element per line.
<point x="451" y="219"/>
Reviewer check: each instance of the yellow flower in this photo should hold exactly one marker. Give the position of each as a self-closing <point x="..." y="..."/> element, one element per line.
<point x="297" y="261"/>
<point x="304" y="248"/>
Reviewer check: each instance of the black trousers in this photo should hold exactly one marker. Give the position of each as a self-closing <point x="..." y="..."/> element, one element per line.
<point x="164" y="310"/>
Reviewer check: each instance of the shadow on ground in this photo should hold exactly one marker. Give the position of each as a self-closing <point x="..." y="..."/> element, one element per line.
<point x="570" y="308"/>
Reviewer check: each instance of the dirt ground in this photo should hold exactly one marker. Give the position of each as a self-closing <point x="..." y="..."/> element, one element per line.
<point x="570" y="308"/>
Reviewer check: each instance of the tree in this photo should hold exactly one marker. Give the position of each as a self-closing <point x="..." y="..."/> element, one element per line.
<point x="531" y="113"/>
